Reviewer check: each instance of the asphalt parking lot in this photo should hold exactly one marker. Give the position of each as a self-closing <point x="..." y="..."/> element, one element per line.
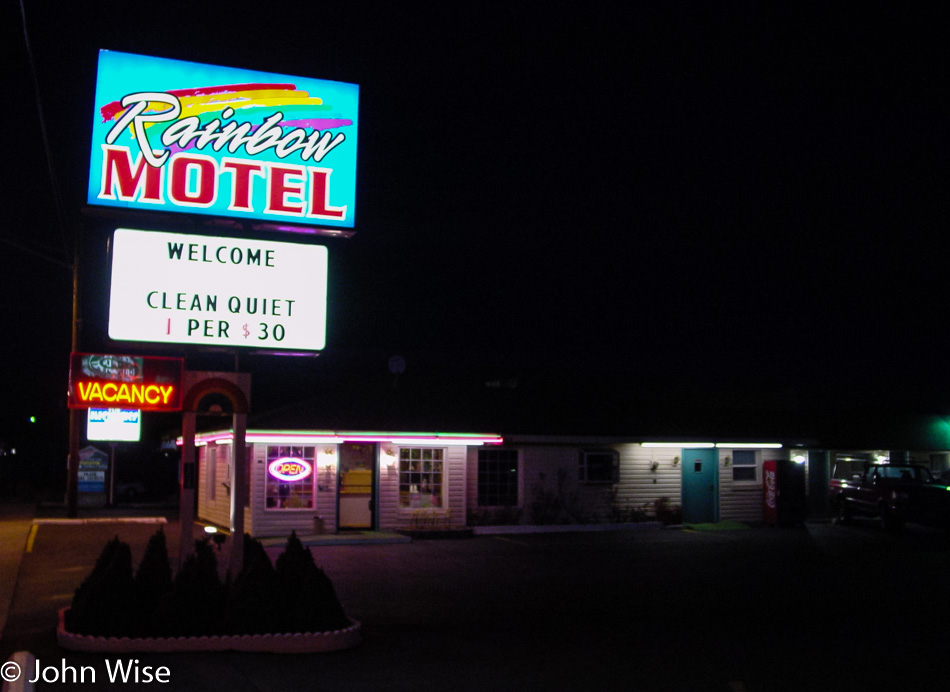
<point x="811" y="608"/>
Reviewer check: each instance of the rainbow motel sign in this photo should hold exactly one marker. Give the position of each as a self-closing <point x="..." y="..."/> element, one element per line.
<point x="177" y="136"/>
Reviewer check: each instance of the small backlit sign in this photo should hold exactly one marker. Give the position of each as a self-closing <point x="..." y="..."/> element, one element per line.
<point x="289" y="469"/>
<point x="148" y="383"/>
<point x="169" y="135"/>
<point x="212" y="291"/>
<point x="113" y="424"/>
<point x="93" y="464"/>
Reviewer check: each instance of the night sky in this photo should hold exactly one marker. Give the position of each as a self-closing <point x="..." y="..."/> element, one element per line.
<point x="668" y="198"/>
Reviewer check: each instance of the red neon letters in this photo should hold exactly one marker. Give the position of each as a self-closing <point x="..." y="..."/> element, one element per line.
<point x="289" y="469"/>
<point x="129" y="394"/>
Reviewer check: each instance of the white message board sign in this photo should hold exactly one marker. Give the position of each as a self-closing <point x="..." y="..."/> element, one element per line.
<point x="214" y="291"/>
<point x="114" y="424"/>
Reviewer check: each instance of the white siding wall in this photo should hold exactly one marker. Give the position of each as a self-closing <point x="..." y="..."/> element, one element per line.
<point x="554" y="467"/>
<point x="388" y="513"/>
<point x="326" y="486"/>
<point x="457" y="501"/>
<point x="640" y="486"/>
<point x="217" y="510"/>
<point x="744" y="500"/>
<point x="637" y="488"/>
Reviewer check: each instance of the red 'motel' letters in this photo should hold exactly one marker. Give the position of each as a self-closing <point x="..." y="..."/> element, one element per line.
<point x="195" y="180"/>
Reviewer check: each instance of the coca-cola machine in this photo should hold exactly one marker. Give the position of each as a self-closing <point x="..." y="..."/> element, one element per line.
<point x="784" y="492"/>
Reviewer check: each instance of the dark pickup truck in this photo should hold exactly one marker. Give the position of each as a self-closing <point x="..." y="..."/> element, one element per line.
<point x="894" y="493"/>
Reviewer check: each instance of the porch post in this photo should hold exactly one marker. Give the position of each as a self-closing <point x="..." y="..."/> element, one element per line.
<point x="819" y="475"/>
<point x="238" y="493"/>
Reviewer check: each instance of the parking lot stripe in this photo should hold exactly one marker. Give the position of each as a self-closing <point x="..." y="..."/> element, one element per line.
<point x="31" y="538"/>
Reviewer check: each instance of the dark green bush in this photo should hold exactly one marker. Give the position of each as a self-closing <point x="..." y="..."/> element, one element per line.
<point x="314" y="606"/>
<point x="104" y="604"/>
<point x="253" y="602"/>
<point x="493" y="516"/>
<point x="194" y="605"/>
<point x="297" y="596"/>
<point x="153" y="580"/>
<point x="666" y="512"/>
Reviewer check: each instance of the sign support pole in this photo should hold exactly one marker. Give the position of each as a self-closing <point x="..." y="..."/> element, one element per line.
<point x="186" y="503"/>
<point x="112" y="446"/>
<point x="72" y="464"/>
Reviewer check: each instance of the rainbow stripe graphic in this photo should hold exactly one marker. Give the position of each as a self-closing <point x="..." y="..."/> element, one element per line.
<point x="209" y="103"/>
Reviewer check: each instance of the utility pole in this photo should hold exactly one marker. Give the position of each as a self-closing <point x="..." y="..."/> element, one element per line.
<point x="75" y="421"/>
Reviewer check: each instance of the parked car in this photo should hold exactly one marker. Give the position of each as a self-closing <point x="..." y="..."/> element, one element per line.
<point x="129" y="491"/>
<point x="894" y="493"/>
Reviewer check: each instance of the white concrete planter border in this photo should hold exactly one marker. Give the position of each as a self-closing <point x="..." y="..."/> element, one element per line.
<point x="309" y="642"/>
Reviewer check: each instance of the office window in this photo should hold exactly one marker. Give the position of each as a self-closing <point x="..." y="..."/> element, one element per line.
<point x="420" y="477"/>
<point x="744" y="466"/>
<point x="497" y="477"/>
<point x="288" y="494"/>
<point x="598" y="466"/>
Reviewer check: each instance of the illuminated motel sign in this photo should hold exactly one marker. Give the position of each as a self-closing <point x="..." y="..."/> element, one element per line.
<point x="177" y="136"/>
<point x="147" y="383"/>
<point x="289" y="469"/>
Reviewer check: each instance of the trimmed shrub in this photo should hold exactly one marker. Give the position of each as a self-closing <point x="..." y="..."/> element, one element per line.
<point x="104" y="604"/>
<point x="153" y="580"/>
<point x="314" y="607"/>
<point x="195" y="604"/>
<point x="110" y="602"/>
<point x="666" y="512"/>
<point x="252" y="604"/>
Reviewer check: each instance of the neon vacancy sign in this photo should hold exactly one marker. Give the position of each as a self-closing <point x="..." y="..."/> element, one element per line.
<point x="150" y="383"/>
<point x="289" y="469"/>
<point x="178" y="136"/>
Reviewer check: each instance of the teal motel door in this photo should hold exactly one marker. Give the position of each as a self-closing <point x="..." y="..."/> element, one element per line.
<point x="700" y="485"/>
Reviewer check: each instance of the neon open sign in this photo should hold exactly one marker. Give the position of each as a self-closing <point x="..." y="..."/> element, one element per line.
<point x="289" y="469"/>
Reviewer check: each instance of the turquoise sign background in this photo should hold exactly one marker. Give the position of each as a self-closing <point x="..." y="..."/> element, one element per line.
<point x="170" y="135"/>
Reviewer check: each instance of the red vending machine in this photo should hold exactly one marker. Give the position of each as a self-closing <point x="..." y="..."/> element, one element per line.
<point x="783" y="492"/>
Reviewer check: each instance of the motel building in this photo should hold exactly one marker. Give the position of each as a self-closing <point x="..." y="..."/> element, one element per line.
<point x="316" y="479"/>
